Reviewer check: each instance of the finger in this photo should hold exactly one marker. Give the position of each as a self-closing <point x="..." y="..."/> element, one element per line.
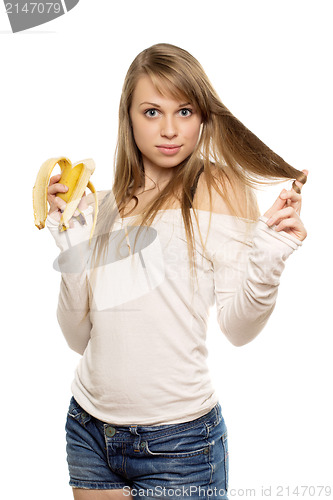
<point x="57" y="188"/>
<point x="55" y="178"/>
<point x="293" y="199"/>
<point x="54" y="212"/>
<point x="57" y="204"/>
<point x="291" y="195"/>
<point x="53" y="190"/>
<point x="287" y="223"/>
<point x="282" y="214"/>
<point x="279" y="203"/>
<point x="293" y="226"/>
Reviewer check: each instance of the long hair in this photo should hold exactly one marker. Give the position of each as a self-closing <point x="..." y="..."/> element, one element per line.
<point x="234" y="160"/>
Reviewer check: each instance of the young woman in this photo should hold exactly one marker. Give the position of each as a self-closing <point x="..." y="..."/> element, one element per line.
<point x="179" y="231"/>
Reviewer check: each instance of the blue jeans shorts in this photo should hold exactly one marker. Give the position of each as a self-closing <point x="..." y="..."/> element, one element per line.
<point x="186" y="460"/>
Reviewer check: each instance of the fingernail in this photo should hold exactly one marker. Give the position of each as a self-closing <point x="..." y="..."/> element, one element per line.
<point x="269" y="221"/>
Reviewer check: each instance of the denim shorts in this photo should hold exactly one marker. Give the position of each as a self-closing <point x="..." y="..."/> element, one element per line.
<point x="186" y="460"/>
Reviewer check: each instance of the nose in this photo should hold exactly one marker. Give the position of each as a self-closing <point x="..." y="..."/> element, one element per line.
<point x="168" y="127"/>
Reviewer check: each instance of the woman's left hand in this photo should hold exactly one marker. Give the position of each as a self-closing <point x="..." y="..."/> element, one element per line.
<point x="285" y="213"/>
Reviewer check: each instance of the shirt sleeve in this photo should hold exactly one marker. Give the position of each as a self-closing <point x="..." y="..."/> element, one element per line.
<point x="73" y="303"/>
<point x="247" y="272"/>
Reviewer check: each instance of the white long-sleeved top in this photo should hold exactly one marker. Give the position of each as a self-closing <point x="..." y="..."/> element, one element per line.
<point x="141" y="328"/>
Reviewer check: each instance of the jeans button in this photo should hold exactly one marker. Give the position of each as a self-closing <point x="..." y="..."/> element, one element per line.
<point x="110" y="431"/>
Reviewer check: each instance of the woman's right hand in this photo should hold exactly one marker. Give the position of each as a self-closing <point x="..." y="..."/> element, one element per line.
<point x="58" y="205"/>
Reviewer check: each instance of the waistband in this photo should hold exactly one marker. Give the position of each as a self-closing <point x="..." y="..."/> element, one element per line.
<point x="212" y="418"/>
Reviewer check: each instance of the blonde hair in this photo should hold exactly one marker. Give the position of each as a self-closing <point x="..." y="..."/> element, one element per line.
<point x="227" y="151"/>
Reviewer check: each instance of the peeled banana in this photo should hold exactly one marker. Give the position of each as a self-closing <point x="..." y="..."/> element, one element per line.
<point x="75" y="177"/>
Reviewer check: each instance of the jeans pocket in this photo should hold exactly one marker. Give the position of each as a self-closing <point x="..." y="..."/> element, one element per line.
<point x="224" y="440"/>
<point x="77" y="412"/>
<point x="187" y="443"/>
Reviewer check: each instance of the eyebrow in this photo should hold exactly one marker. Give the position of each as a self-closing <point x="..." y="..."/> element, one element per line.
<point x="158" y="106"/>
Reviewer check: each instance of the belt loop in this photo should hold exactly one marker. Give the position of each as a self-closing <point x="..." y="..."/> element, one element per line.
<point x="216" y="408"/>
<point x="134" y="430"/>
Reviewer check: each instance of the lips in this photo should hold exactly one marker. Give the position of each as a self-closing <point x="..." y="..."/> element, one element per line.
<point x="168" y="149"/>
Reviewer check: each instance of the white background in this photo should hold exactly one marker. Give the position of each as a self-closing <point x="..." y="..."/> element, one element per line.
<point x="271" y="64"/>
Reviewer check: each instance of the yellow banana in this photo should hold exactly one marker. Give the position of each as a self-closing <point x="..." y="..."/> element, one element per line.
<point x="76" y="177"/>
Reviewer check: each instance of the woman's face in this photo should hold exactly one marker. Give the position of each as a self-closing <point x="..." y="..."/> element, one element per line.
<point x="165" y="130"/>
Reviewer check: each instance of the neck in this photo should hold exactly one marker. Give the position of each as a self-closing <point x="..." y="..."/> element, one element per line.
<point x="153" y="183"/>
